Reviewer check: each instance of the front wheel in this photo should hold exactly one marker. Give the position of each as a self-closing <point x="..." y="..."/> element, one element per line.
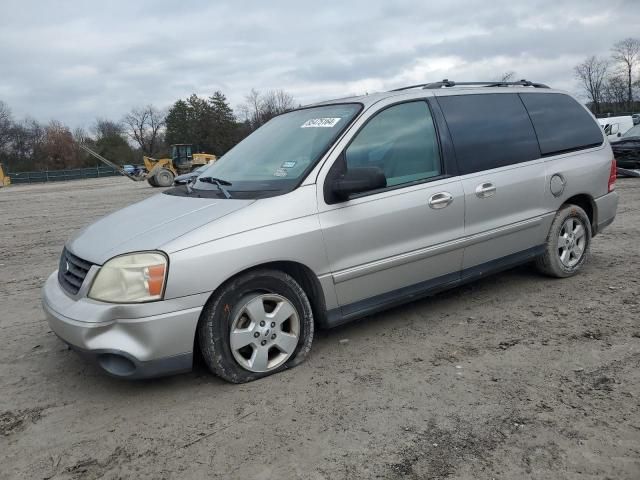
<point x="152" y="181"/>
<point x="258" y="324"/>
<point x="164" y="178"/>
<point x="567" y="244"/>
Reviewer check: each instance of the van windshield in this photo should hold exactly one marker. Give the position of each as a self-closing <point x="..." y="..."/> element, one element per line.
<point x="275" y="157"/>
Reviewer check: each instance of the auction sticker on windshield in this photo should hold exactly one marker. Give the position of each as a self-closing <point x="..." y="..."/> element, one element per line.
<point x="326" y="122"/>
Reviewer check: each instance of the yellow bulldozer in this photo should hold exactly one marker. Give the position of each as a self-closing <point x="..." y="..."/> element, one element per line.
<point x="5" y="180"/>
<point x="162" y="171"/>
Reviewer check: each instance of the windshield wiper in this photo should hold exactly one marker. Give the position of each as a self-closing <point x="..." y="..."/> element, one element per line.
<point x="218" y="182"/>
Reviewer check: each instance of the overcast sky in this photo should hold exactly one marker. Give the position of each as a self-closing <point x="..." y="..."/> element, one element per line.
<point x="78" y="60"/>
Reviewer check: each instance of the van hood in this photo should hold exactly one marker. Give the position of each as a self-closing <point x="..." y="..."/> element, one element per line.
<point x="148" y="225"/>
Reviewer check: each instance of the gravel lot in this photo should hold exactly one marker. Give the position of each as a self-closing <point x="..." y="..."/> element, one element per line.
<point x="515" y="376"/>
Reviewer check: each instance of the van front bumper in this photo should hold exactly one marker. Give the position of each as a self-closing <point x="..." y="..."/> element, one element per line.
<point x="126" y="340"/>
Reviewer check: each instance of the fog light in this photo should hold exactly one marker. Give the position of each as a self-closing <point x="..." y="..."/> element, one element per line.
<point x="115" y="364"/>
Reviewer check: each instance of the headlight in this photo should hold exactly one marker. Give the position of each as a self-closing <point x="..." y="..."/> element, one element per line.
<point x="132" y="278"/>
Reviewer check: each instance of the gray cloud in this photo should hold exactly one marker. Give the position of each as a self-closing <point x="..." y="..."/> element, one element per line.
<point x="76" y="61"/>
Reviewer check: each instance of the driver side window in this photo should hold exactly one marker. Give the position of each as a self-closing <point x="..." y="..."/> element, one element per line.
<point x="400" y="140"/>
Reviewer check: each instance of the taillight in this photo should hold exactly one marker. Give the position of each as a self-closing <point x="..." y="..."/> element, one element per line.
<point x="612" y="176"/>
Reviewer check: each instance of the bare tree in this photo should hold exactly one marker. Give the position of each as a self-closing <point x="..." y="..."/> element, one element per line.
<point x="627" y="53"/>
<point x="80" y="135"/>
<point x="284" y="101"/>
<point x="592" y="74"/>
<point x="143" y="127"/>
<point x="507" y="76"/>
<point x="24" y="148"/>
<point x="250" y="111"/>
<point x="6" y="123"/>
<point x="103" y="128"/>
<point x="615" y="91"/>
<point x="254" y="104"/>
<point x="60" y="148"/>
<point x="275" y="102"/>
<point x="259" y="108"/>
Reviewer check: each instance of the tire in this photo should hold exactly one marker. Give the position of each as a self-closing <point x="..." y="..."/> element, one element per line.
<point x="164" y="177"/>
<point x="564" y="258"/>
<point x="233" y="341"/>
<point x="152" y="181"/>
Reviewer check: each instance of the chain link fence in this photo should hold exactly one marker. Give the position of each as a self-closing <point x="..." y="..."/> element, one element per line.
<point x="61" y="175"/>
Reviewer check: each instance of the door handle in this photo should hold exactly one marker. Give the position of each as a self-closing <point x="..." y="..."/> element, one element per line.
<point x="485" y="190"/>
<point x="440" y="200"/>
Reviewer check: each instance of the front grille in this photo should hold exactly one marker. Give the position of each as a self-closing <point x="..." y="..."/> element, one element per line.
<point x="72" y="271"/>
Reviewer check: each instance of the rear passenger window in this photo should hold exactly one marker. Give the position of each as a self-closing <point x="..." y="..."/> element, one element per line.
<point x="561" y="123"/>
<point x="489" y="130"/>
<point x="401" y="140"/>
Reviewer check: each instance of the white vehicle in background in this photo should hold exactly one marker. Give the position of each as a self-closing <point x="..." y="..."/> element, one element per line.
<point x="615" y="127"/>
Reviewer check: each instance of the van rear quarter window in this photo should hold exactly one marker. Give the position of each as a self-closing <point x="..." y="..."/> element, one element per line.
<point x="489" y="130"/>
<point x="561" y="123"/>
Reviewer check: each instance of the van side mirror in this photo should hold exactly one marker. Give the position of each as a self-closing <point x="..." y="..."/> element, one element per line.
<point x="358" y="180"/>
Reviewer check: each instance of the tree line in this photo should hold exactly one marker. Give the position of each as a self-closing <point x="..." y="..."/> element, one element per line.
<point x="612" y="84"/>
<point x="209" y="123"/>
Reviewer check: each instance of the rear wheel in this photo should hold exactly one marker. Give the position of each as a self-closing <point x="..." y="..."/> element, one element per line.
<point x="151" y="180"/>
<point x="567" y="244"/>
<point x="258" y="324"/>
<point x="164" y="178"/>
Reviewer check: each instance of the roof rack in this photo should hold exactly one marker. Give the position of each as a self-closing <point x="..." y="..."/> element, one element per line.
<point x="409" y="87"/>
<point x="450" y="83"/>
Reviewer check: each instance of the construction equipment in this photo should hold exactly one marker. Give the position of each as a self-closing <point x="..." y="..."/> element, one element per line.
<point x="160" y="172"/>
<point x="5" y="180"/>
<point x="115" y="166"/>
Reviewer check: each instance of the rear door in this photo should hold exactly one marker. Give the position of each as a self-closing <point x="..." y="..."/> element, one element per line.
<point x="502" y="175"/>
<point x="390" y="243"/>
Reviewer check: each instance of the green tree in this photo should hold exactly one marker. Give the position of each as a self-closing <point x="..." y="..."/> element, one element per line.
<point x="200" y="123"/>
<point x="110" y="142"/>
<point x="224" y="132"/>
<point x="207" y="123"/>
<point x="178" y="123"/>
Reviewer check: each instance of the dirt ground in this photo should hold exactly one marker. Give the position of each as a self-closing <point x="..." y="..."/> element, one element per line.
<point x="514" y="376"/>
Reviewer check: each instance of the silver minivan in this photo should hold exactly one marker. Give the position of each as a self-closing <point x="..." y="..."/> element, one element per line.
<point x="331" y="212"/>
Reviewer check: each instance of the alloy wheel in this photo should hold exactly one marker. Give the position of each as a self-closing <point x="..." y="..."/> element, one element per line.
<point x="264" y="332"/>
<point x="572" y="242"/>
